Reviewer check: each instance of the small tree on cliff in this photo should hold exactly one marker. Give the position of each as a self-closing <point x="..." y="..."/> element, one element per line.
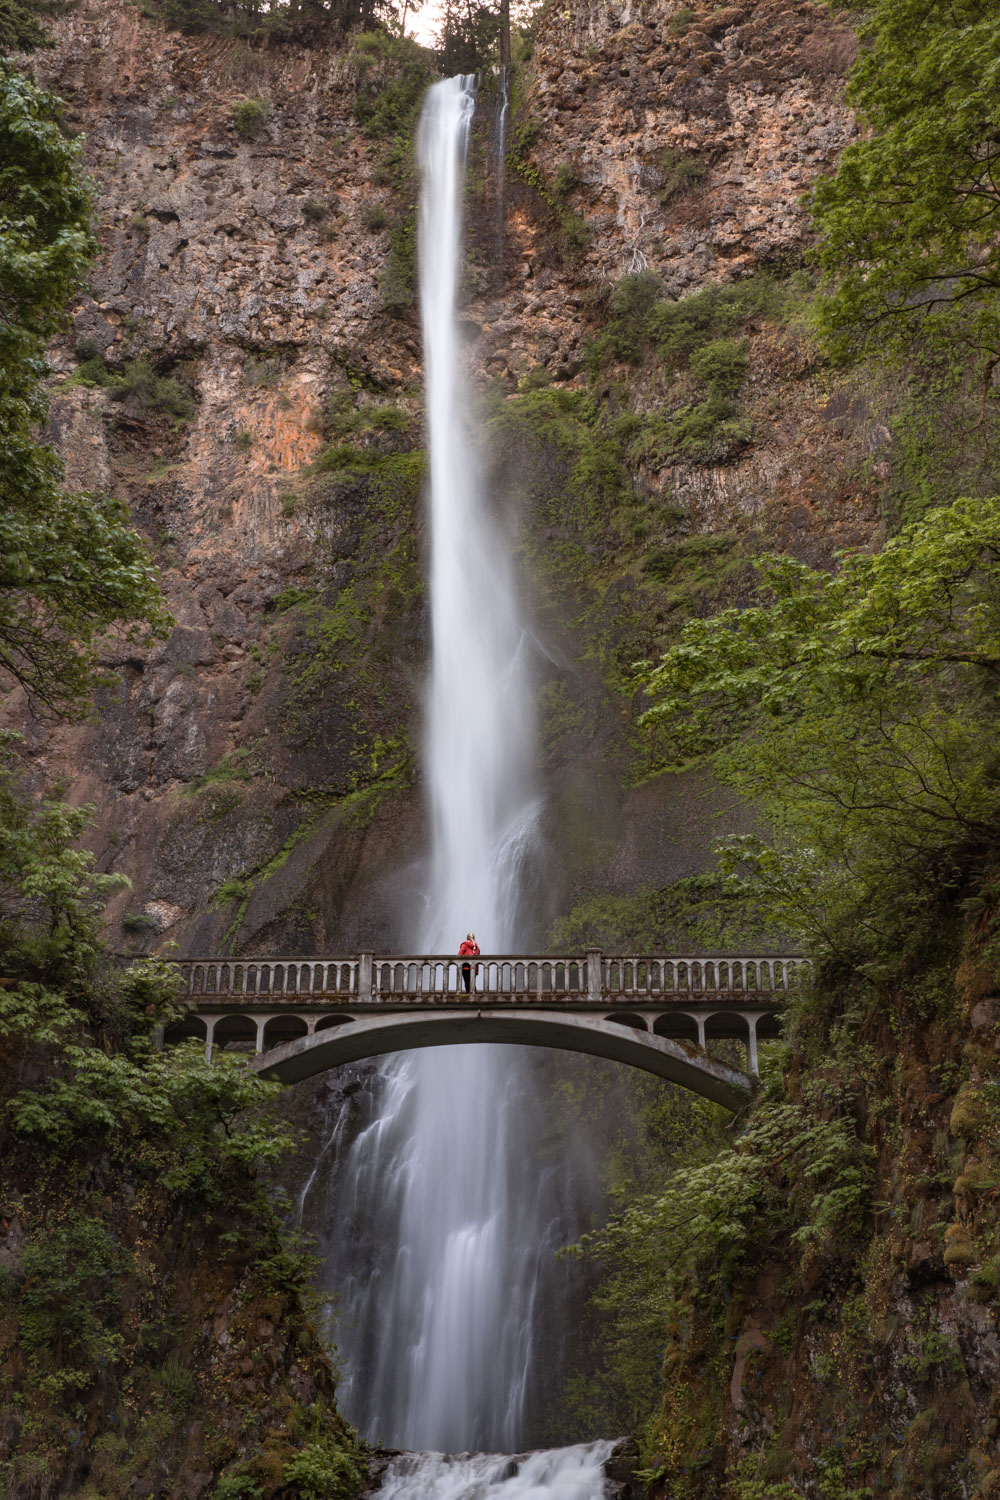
<point x="71" y="567"/>
<point x="910" y="222"/>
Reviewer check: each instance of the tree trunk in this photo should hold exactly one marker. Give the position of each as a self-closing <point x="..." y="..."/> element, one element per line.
<point x="505" y="33"/>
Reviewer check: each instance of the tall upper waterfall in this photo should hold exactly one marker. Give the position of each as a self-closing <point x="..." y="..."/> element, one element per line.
<point x="458" y="1229"/>
<point x="480" y="734"/>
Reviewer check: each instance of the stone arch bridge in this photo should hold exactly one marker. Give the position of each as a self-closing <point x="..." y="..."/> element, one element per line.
<point x="657" y="1012"/>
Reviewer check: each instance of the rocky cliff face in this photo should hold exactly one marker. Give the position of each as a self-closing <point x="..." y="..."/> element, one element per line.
<point x="253" y="774"/>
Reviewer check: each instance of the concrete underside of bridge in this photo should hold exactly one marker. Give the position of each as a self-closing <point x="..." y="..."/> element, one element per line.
<point x="374" y="1036"/>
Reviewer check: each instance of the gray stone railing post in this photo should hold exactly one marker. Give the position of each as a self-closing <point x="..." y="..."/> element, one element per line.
<point x="366" y="975"/>
<point x="594" y="986"/>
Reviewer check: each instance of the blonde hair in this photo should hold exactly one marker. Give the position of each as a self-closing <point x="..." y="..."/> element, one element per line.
<point x="470" y="937"/>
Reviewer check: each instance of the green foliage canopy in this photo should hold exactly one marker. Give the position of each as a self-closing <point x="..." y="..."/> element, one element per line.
<point x="858" y="708"/>
<point x="909" y="223"/>
<point x="20" y="28"/>
<point x="71" y="567"/>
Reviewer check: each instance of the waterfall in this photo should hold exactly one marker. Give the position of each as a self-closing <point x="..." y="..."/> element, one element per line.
<point x="479" y="748"/>
<point x="439" y="1208"/>
<point x="560" y="1474"/>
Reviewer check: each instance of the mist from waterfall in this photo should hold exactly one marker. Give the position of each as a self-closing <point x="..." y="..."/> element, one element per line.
<point x="435" y="1324"/>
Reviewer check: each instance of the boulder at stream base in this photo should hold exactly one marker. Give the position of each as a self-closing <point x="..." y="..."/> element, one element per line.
<point x="621" y="1471"/>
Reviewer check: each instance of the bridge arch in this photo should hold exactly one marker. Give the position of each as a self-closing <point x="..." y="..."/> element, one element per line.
<point x="376" y="1035"/>
<point x="189" y="1027"/>
<point x="628" y="1018"/>
<point x="235" y="1031"/>
<point x="678" y="1025"/>
<point x="283" y="1028"/>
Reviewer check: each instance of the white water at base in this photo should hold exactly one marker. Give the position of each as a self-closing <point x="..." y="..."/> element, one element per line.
<point x="558" y="1474"/>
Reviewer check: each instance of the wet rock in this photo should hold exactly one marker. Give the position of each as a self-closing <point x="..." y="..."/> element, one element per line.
<point x="621" y="1471"/>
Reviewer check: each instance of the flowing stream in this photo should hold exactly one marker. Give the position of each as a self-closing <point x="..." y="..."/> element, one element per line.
<point x="449" y="1229"/>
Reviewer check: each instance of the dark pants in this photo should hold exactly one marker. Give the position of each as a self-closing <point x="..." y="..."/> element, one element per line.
<point x="467" y="977"/>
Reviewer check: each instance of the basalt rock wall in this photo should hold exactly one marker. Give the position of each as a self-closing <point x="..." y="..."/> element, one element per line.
<point x="254" y="773"/>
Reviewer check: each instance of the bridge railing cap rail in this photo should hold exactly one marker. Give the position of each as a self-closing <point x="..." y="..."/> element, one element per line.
<point x="530" y="957"/>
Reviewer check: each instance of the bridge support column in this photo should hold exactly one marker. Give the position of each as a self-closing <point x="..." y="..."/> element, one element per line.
<point x="210" y="1022"/>
<point x="594" y="986"/>
<point x="753" y="1067"/>
<point x="261" y="1022"/>
<point x="699" y="1021"/>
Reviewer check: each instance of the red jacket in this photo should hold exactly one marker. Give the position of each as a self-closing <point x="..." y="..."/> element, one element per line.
<point x="468" y="950"/>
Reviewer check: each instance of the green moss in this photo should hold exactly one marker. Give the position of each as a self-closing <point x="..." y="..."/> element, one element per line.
<point x="233" y="767"/>
<point x="398" y="279"/>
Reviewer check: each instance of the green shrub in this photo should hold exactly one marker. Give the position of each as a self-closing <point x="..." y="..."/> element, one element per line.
<point x="374" y="217"/>
<point x="680" y="21"/>
<point x="565" y="179"/>
<point x="721" y="365"/>
<point x="341" y="418"/>
<point x="663" y="562"/>
<point x="290" y="598"/>
<point x="178" y="1383"/>
<point x="707" y="432"/>
<point x="138" y="921"/>
<point x="677" y="174"/>
<point x="633" y="302"/>
<point x="398" y="282"/>
<point x="262" y="371"/>
<point x="143" y="387"/>
<point x="313" y="211"/>
<point x="237" y="1484"/>
<point x="250" y="118"/>
<point x="393" y="76"/>
<point x="323" y="1471"/>
<point x="68" y="1293"/>
<point x="575" y="234"/>
<point x="93" y="372"/>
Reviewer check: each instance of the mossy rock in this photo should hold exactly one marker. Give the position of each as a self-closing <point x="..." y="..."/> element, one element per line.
<point x="959" y="1246"/>
<point x="977" y="1177"/>
<point x="985" y="1280"/>
<point x="969" y="1114"/>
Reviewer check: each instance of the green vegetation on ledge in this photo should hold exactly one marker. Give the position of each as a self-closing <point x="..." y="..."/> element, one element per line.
<point x="155" y="1316"/>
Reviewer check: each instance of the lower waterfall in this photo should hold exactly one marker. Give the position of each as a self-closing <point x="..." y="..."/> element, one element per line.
<point x="560" y="1474"/>
<point x="446" y="1231"/>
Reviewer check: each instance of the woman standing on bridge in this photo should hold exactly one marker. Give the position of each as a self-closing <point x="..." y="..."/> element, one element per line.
<point x="468" y="949"/>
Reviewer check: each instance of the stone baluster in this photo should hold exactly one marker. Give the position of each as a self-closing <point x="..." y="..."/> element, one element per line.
<point x="366" y="976"/>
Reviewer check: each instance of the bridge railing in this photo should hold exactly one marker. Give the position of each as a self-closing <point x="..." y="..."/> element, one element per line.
<point x="593" y="976"/>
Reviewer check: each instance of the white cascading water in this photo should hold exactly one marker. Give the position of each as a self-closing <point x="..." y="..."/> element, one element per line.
<point x="435" y="1327"/>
